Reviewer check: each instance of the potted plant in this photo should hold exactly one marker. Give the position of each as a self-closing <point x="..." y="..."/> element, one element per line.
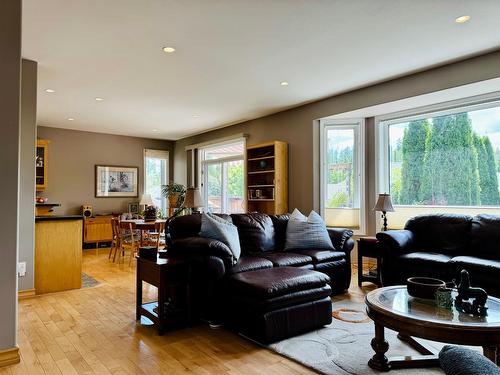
<point x="175" y="193"/>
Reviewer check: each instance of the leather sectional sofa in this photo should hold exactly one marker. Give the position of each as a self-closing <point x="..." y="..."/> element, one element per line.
<point x="441" y="246"/>
<point x="269" y="294"/>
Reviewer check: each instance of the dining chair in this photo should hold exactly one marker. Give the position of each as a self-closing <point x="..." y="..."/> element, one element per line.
<point x="156" y="238"/>
<point x="115" y="242"/>
<point x="127" y="241"/>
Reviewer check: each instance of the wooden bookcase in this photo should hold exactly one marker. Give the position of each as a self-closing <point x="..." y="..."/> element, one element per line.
<point x="267" y="178"/>
<point x="42" y="164"/>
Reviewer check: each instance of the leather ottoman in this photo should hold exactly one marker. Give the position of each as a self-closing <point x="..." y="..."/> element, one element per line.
<point x="269" y="305"/>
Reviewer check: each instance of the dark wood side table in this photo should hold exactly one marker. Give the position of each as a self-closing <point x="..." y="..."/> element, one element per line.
<point x="368" y="247"/>
<point x="172" y="278"/>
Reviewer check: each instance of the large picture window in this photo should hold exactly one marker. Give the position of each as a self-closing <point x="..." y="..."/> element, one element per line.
<point x="445" y="161"/>
<point x="341" y="173"/>
<point x="223" y="177"/>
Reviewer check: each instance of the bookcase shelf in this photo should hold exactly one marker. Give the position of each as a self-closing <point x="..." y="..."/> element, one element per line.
<point x="267" y="177"/>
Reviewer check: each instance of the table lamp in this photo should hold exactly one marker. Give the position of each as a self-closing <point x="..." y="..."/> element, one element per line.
<point x="193" y="199"/>
<point x="146" y="200"/>
<point x="384" y="205"/>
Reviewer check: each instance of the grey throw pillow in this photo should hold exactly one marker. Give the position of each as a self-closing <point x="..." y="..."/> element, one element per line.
<point x="456" y="360"/>
<point x="307" y="232"/>
<point x="222" y="230"/>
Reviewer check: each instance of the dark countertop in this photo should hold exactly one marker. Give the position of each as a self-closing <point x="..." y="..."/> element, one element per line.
<point x="58" y="217"/>
<point x="47" y="204"/>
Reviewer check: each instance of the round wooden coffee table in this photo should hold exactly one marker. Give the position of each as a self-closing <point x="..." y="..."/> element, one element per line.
<point x="392" y="307"/>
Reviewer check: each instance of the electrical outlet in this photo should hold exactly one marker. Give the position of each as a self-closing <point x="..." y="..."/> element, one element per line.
<point x="21" y="269"/>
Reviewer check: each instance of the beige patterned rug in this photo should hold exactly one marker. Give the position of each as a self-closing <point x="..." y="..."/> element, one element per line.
<point x="343" y="347"/>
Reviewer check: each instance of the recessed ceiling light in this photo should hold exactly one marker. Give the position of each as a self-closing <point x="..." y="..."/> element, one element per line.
<point x="71" y="119"/>
<point x="462" y="19"/>
<point x="99" y="99"/>
<point x="196" y="116"/>
<point x="284" y="83"/>
<point x="155" y="130"/>
<point x="168" y="49"/>
<point x="50" y="90"/>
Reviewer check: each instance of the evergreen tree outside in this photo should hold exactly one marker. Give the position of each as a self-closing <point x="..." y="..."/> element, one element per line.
<point x="412" y="169"/>
<point x="451" y="174"/>
<point x="489" y="191"/>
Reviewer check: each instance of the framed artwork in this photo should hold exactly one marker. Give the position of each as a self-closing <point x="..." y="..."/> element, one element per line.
<point x="116" y="182"/>
<point x="133" y="207"/>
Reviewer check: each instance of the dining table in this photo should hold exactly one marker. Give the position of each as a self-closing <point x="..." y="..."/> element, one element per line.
<point x="142" y="225"/>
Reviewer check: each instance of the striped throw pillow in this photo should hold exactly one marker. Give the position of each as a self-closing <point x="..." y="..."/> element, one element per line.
<point x="307" y="232"/>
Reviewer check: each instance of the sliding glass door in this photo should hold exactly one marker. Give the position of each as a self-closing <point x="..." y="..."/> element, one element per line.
<point x="223" y="178"/>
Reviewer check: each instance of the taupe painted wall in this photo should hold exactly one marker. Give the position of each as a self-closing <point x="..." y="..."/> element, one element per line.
<point x="295" y="126"/>
<point x="27" y="172"/>
<point x="72" y="159"/>
<point x="10" y="88"/>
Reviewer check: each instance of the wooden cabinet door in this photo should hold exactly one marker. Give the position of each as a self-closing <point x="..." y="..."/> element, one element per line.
<point x="98" y="229"/>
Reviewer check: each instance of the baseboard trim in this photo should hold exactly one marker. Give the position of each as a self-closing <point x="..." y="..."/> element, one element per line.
<point x="9" y="357"/>
<point x="27" y="293"/>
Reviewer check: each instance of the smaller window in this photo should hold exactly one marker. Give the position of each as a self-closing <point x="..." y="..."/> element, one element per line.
<point x="341" y="173"/>
<point x="156" y="175"/>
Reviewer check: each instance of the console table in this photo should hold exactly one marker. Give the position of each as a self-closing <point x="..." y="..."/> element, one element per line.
<point x="171" y="277"/>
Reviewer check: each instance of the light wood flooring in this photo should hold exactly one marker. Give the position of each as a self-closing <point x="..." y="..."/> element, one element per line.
<point x="93" y="331"/>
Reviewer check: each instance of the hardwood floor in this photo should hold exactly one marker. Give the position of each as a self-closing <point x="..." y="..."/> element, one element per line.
<point x="93" y="331"/>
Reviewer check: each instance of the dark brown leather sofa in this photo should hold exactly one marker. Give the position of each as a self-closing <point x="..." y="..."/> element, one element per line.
<point x="269" y="294"/>
<point x="441" y="246"/>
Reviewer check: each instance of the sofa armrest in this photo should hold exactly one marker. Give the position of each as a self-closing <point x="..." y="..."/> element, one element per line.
<point x="341" y="239"/>
<point x="396" y="241"/>
<point x="201" y="247"/>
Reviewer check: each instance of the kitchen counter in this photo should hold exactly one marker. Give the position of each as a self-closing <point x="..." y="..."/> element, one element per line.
<point x="58" y="217"/>
<point x="58" y="253"/>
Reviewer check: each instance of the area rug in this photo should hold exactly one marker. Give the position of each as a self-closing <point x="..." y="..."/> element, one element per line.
<point x="343" y="347"/>
<point x="88" y="281"/>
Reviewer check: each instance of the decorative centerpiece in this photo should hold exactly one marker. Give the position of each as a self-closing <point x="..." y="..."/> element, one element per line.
<point x="466" y="292"/>
<point x="424" y="287"/>
<point x="150" y="213"/>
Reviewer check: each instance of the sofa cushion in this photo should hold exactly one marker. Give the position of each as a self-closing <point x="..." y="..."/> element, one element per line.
<point x="485" y="237"/>
<point x="280" y="223"/>
<point x="483" y="272"/>
<point x="322" y="256"/>
<point x="288" y="259"/>
<point x="271" y="283"/>
<point x="189" y="225"/>
<point x="424" y="264"/>
<point x="448" y="233"/>
<point x="222" y="230"/>
<point x="250" y="263"/>
<point x="256" y="232"/>
<point x="307" y="232"/>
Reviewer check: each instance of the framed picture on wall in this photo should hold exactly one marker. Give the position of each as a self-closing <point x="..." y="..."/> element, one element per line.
<point x="116" y="182"/>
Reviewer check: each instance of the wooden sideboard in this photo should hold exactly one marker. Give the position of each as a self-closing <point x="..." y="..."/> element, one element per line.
<point x="97" y="229"/>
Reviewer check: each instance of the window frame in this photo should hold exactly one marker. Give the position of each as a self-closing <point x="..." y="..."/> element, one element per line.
<point x="157" y="154"/>
<point x="383" y="122"/>
<point x="359" y="155"/>
<point x="202" y="163"/>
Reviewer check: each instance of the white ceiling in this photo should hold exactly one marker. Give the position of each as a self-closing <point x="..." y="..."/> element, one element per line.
<point x="231" y="55"/>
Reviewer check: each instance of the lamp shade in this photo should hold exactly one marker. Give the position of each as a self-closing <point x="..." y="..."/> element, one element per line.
<point x="384" y="203"/>
<point x="146" y="200"/>
<point x="193" y="198"/>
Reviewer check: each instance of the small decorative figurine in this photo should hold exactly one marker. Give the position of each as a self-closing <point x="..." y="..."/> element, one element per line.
<point x="465" y="292"/>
